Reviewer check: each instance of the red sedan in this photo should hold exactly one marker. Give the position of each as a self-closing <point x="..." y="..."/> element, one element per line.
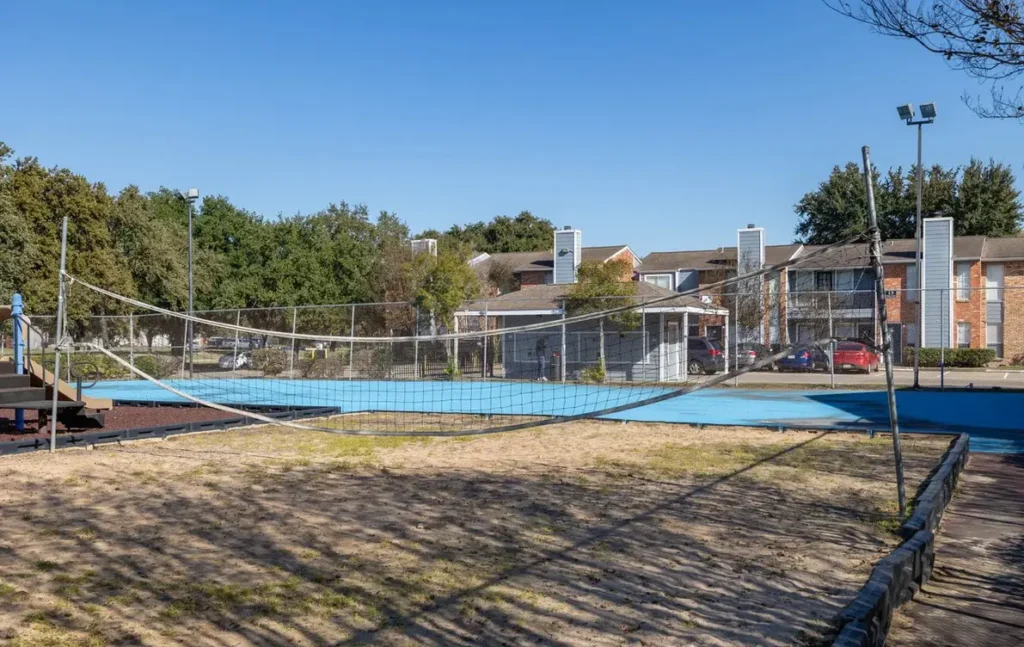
<point x="855" y="356"/>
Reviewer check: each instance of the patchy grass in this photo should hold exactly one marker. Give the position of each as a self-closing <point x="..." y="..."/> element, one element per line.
<point x="575" y="534"/>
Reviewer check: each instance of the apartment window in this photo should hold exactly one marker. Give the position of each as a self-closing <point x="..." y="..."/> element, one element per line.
<point x="963" y="281"/>
<point x="963" y="334"/>
<point x="911" y="283"/>
<point x="661" y="280"/>
<point x="994" y="338"/>
<point x="823" y="281"/>
<point x="994" y="282"/>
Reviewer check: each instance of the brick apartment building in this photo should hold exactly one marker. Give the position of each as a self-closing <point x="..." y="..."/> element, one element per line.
<point x="973" y="292"/>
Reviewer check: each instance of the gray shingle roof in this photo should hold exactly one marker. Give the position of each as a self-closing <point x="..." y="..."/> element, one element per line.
<point x="543" y="261"/>
<point x="549" y="297"/>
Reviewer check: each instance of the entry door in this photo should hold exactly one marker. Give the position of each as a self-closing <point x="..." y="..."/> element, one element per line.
<point x="672" y="368"/>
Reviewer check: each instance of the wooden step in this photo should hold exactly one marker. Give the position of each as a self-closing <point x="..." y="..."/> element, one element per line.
<point x="13" y="395"/>
<point x="7" y="367"/>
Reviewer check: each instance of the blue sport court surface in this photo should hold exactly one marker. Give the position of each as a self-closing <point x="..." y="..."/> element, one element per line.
<point x="995" y="420"/>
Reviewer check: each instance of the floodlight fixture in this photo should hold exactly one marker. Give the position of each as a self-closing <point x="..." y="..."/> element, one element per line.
<point x="928" y="110"/>
<point x="906" y="111"/>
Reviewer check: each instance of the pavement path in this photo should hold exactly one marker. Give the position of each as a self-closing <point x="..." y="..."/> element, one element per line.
<point x="976" y="595"/>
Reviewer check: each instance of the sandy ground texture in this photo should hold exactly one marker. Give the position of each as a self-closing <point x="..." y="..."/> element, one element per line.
<point x="589" y="533"/>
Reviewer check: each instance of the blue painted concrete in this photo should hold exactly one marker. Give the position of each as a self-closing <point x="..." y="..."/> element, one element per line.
<point x="994" y="420"/>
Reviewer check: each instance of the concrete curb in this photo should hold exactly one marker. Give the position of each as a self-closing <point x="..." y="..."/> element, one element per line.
<point x="898" y="577"/>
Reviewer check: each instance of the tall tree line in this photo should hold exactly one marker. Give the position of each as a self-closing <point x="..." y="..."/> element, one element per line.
<point x="135" y="243"/>
<point x="980" y="197"/>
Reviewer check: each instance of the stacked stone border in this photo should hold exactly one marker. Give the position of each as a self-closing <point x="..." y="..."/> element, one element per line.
<point x="898" y="577"/>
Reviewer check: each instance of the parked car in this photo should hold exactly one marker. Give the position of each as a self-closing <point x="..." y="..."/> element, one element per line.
<point x="804" y="358"/>
<point x="704" y="355"/>
<point x="750" y="354"/>
<point x="855" y="356"/>
<point x="233" y="361"/>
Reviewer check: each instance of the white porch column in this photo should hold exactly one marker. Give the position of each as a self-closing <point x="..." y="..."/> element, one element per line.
<point x="661" y="347"/>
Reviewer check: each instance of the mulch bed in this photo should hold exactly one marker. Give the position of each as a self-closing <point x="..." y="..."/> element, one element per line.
<point x="117" y="419"/>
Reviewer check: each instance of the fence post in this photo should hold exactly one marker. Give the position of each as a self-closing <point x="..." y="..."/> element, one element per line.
<point x="416" y="345"/>
<point x="942" y="341"/>
<point x="484" y="369"/>
<point x="831" y="346"/>
<point x="352" y="342"/>
<point x="291" y="357"/>
<point x="561" y="357"/>
<point x="234" y="352"/>
<point x="131" y="340"/>
<point x="643" y="336"/>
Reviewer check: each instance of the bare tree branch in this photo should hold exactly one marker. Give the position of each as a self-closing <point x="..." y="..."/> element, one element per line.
<point x="984" y="38"/>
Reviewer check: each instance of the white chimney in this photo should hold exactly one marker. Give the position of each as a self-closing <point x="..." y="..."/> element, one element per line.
<point x="568" y="254"/>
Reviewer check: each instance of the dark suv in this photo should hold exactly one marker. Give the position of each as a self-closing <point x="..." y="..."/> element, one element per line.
<point x="704" y="355"/>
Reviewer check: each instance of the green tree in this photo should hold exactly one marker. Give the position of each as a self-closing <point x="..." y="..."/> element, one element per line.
<point x="15" y="249"/>
<point x="599" y="287"/>
<point x="522" y="233"/>
<point x="981" y="199"/>
<point x="987" y="201"/>
<point x="444" y="282"/>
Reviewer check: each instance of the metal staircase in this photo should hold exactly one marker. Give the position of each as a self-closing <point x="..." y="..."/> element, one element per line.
<point x="18" y="392"/>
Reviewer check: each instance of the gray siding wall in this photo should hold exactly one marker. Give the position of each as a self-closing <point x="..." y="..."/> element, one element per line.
<point x="750" y="250"/>
<point x="687" y="280"/>
<point x="938" y="282"/>
<point x="565" y="264"/>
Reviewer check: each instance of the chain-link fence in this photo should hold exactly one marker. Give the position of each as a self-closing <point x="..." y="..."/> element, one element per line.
<point x="969" y="339"/>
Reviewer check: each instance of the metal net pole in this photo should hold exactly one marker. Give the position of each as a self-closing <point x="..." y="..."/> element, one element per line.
<point x="876" y="263"/>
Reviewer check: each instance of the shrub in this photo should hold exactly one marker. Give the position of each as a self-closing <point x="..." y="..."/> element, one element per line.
<point x="159" y="367"/>
<point x="594" y="373"/>
<point x="271" y="361"/>
<point x="88" y="365"/>
<point x="954" y="357"/>
<point x="331" y="366"/>
<point x="452" y="370"/>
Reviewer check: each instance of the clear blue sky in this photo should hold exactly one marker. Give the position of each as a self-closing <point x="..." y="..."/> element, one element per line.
<point x="663" y="125"/>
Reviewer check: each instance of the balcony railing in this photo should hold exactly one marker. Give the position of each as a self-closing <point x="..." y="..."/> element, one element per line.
<point x="812" y="303"/>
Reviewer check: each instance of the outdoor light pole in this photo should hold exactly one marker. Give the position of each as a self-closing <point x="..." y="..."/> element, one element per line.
<point x="191" y="196"/>
<point x="906" y="113"/>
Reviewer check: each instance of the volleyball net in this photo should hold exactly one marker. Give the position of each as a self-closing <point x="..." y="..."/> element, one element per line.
<point x="539" y="355"/>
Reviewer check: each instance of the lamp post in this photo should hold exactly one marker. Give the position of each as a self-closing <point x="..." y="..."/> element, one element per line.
<point x="906" y="113"/>
<point x="190" y="197"/>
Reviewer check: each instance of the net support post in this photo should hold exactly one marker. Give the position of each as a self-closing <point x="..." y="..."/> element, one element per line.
<point x="725" y="333"/>
<point x="60" y="329"/>
<point x="876" y="264"/>
<point x="662" y="373"/>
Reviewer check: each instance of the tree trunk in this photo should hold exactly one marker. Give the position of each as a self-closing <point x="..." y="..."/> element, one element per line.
<point x="600" y="351"/>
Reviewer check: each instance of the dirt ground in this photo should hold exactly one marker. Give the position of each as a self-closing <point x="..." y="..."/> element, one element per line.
<point x="589" y="533"/>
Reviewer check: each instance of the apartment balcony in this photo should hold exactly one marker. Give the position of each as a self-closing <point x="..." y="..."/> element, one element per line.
<point x="818" y="304"/>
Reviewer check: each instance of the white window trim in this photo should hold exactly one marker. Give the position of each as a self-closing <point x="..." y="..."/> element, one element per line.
<point x="671" y="279"/>
<point x="959" y="339"/>
<point x="963" y="292"/>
